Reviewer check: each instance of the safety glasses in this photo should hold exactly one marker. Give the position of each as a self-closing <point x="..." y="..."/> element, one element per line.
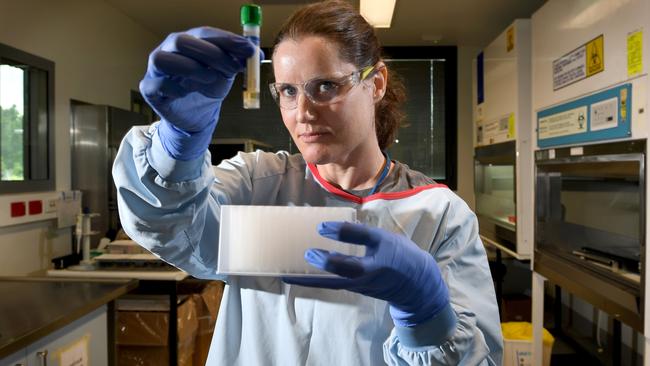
<point x="320" y="91"/>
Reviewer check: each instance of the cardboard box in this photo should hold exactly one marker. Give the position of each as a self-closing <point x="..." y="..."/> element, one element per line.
<point x="142" y="336"/>
<point x="516" y="308"/>
<point x="154" y="356"/>
<point x="207" y="309"/>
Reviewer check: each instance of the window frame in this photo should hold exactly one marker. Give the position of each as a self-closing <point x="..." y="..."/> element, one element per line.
<point x="14" y="55"/>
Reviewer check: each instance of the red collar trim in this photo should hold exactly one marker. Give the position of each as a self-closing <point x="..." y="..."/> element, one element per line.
<point x="377" y="196"/>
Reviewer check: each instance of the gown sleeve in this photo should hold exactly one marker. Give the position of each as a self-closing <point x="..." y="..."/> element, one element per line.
<point x="172" y="207"/>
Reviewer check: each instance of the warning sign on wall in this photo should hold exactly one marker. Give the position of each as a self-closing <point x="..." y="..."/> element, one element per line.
<point x="510" y="39"/>
<point x="581" y="63"/>
<point x="634" y="53"/>
<point x="496" y="131"/>
<point x="595" y="56"/>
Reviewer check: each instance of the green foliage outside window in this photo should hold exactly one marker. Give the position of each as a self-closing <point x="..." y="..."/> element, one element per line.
<point x="11" y="144"/>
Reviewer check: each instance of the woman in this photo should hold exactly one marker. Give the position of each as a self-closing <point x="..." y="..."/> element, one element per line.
<point x="422" y="294"/>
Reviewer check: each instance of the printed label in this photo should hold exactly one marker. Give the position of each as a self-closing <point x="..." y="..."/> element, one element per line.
<point x="496" y="131"/>
<point x="583" y="62"/>
<point x="565" y="123"/>
<point x="634" y="53"/>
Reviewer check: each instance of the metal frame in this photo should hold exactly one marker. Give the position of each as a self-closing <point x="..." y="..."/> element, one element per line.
<point x="504" y="152"/>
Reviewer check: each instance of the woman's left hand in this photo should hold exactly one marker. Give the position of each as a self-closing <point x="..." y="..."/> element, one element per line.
<point x="394" y="269"/>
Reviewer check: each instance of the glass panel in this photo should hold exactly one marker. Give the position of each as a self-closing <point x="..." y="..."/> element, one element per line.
<point x="495" y="193"/>
<point x="13" y="122"/>
<point x="420" y="144"/>
<point x="592" y="210"/>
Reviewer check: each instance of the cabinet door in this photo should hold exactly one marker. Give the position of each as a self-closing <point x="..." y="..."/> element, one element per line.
<point x="17" y="359"/>
<point x="82" y="342"/>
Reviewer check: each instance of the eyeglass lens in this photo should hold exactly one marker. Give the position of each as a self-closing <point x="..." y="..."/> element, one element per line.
<point x="319" y="91"/>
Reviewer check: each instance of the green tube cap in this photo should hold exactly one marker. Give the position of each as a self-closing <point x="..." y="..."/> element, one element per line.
<point x="251" y="14"/>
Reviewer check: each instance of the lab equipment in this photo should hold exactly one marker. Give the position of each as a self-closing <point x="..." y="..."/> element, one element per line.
<point x="394" y="269"/>
<point x="187" y="78"/>
<point x="78" y="233"/>
<point x="589" y="218"/>
<point x="503" y="160"/>
<point x="251" y="20"/>
<point x="272" y="240"/>
<point x="96" y="133"/>
<point x="590" y="131"/>
<point x="83" y="232"/>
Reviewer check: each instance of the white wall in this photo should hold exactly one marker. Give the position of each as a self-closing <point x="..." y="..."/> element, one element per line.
<point x="99" y="55"/>
<point x="465" y="125"/>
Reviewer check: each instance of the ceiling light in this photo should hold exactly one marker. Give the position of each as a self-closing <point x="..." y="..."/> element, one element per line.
<point x="379" y="13"/>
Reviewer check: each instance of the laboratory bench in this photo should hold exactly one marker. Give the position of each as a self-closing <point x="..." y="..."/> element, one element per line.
<point x="171" y="286"/>
<point x="36" y="308"/>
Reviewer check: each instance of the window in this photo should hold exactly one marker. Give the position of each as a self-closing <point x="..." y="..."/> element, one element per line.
<point x="426" y="143"/>
<point x="26" y="133"/>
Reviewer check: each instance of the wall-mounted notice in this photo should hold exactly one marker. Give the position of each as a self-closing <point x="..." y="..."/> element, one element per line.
<point x="601" y="116"/>
<point x="493" y="132"/>
<point x="75" y="354"/>
<point x="634" y="53"/>
<point x="563" y="123"/>
<point x="583" y="62"/>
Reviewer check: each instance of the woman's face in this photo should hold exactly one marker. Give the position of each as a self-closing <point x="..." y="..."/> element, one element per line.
<point x="333" y="133"/>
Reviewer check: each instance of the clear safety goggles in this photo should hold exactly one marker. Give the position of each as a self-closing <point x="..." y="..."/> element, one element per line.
<point x="320" y="91"/>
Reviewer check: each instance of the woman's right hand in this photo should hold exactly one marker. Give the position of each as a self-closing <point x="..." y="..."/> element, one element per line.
<point x="188" y="76"/>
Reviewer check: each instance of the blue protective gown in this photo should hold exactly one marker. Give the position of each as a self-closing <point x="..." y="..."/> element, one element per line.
<point x="172" y="208"/>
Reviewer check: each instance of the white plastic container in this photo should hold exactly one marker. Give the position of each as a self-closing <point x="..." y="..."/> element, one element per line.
<point x="272" y="240"/>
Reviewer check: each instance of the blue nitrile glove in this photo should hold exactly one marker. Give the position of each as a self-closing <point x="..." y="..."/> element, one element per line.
<point x="187" y="78"/>
<point x="394" y="269"/>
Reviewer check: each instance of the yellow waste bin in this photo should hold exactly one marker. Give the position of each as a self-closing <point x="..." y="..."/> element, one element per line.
<point x="518" y="345"/>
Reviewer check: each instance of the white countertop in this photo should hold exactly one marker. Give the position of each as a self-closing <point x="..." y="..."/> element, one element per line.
<point x="168" y="275"/>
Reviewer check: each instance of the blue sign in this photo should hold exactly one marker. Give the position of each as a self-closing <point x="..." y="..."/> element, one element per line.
<point x="602" y="116"/>
<point x="480" y="92"/>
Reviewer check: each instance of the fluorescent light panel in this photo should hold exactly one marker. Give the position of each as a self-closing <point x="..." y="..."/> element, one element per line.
<point x="379" y="13"/>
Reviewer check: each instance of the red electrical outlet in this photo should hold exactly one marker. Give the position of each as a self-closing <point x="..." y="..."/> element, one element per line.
<point x="35" y="207"/>
<point x="17" y="209"/>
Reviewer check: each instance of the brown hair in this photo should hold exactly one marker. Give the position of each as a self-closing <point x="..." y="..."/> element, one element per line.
<point x="339" y="22"/>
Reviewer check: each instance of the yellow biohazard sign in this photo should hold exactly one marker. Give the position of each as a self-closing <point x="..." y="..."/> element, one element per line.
<point x="510" y="39"/>
<point x="585" y="61"/>
<point x="595" y="56"/>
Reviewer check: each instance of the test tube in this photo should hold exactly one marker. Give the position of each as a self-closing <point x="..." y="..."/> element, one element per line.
<point x="251" y="20"/>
